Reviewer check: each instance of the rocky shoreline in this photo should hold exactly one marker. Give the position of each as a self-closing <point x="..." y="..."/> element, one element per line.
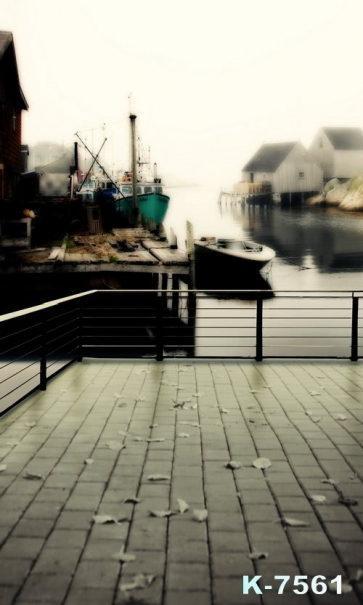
<point x="345" y="196"/>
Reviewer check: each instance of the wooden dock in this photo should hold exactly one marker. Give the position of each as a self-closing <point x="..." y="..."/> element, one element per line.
<point x="128" y="250"/>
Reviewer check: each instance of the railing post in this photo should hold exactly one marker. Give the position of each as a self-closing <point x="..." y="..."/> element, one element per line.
<point x="80" y="332"/>
<point x="159" y="327"/>
<point x="354" y="337"/>
<point x="259" y="333"/>
<point x="43" y="355"/>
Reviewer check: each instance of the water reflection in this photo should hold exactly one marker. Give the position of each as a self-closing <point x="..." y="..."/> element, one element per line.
<point x="241" y="287"/>
<point x="331" y="239"/>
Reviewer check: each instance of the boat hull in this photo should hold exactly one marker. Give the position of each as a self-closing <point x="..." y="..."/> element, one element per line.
<point x="152" y="207"/>
<point x="224" y="260"/>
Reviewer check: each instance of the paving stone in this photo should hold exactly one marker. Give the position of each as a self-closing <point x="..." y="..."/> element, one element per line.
<point x="21" y="548"/>
<point x="57" y="561"/>
<point x="13" y="573"/>
<point x="187" y="576"/>
<point x="45" y="589"/>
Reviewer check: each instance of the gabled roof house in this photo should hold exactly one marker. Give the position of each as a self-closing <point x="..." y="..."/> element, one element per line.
<point x="287" y="166"/>
<point x="12" y="103"/>
<point x="339" y="151"/>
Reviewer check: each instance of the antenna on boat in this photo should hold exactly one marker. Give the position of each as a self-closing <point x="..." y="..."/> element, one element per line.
<point x="135" y="209"/>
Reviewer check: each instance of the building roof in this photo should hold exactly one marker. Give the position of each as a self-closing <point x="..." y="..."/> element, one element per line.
<point x="345" y="138"/>
<point x="6" y="43"/>
<point x="269" y="157"/>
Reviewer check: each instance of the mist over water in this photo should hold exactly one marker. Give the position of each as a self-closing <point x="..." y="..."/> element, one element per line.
<point x="316" y="248"/>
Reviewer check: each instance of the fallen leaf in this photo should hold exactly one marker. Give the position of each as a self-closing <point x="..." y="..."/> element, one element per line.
<point x="160" y="513"/>
<point x="317" y="498"/>
<point x="118" y="395"/>
<point x="340" y="417"/>
<point x="123" y="557"/>
<point x="254" y="391"/>
<point x="194" y="406"/>
<point x="183" y="435"/>
<point x="138" y="438"/>
<point x="183" y="506"/>
<point x="159" y="478"/>
<point x="309" y="412"/>
<point x="195" y="424"/>
<point x="33" y="476"/>
<point x="290" y="522"/>
<point x="354" y="477"/>
<point x="115" y="445"/>
<point x="315" y="393"/>
<point x="12" y="442"/>
<point x="153" y="426"/>
<point x="132" y="500"/>
<point x="123" y="433"/>
<point x="347" y="501"/>
<point x="89" y="461"/>
<point x="198" y="394"/>
<point x="262" y="463"/>
<point x="357" y="576"/>
<point x="139" y="398"/>
<point x="316" y="418"/>
<point x="30" y="424"/>
<point x="3" y="467"/>
<point x="267" y="386"/>
<point x="345" y="588"/>
<point x="103" y="519"/>
<point x="140" y="581"/>
<point x="233" y="464"/>
<point x="178" y="404"/>
<point x="256" y="556"/>
<point x="180" y="388"/>
<point x="155" y="440"/>
<point x="331" y="481"/>
<point x="200" y="514"/>
<point x="123" y="404"/>
<point x="224" y="411"/>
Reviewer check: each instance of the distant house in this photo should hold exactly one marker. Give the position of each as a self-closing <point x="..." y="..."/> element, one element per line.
<point x="284" y="167"/>
<point x="12" y="102"/>
<point x="339" y="152"/>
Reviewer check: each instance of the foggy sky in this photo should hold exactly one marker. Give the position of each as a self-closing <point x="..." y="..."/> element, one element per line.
<point x="211" y="80"/>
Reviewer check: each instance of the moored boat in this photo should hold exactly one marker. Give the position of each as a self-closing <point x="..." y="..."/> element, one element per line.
<point x="232" y="255"/>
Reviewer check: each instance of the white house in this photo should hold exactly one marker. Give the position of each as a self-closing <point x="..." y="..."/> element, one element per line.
<point x="288" y="167"/>
<point x="339" y="151"/>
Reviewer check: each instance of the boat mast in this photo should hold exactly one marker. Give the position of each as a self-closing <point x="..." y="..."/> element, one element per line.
<point x="135" y="208"/>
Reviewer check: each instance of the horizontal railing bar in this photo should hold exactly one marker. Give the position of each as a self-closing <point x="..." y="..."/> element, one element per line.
<point x="47" y="305"/>
<point x="20" y="344"/>
<point x="19" y="332"/>
<point x="29" y="365"/>
<point x="49" y="353"/>
<point x="50" y="341"/>
<point x="18" y="386"/>
<point x="5" y="365"/>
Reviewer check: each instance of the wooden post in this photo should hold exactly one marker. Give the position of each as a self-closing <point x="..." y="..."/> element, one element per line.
<point x="43" y="356"/>
<point x="175" y="294"/>
<point x="190" y="252"/>
<point x="135" y="208"/>
<point x="259" y="332"/>
<point x="173" y="240"/>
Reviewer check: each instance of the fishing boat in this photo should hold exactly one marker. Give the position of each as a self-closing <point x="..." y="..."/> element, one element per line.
<point x="137" y="196"/>
<point x="232" y="255"/>
<point x="140" y="194"/>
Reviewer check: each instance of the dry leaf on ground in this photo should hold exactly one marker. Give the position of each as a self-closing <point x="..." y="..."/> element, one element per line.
<point x="290" y="522"/>
<point x="256" y="556"/>
<point x="233" y="464"/>
<point x="160" y="513"/>
<point x="33" y="476"/>
<point x="132" y="500"/>
<point x="331" y="481"/>
<point x="155" y="440"/>
<point x="140" y="581"/>
<point x="12" y="442"/>
<point x="123" y="557"/>
<point x="183" y="435"/>
<point x="198" y="394"/>
<point x="224" y="411"/>
<point x="139" y="398"/>
<point x="200" y="514"/>
<point x="159" y="477"/>
<point x="345" y="588"/>
<point x="115" y="445"/>
<point x="340" y="417"/>
<point x="89" y="461"/>
<point x="347" y="501"/>
<point x="117" y="395"/>
<point x="183" y="506"/>
<point x="195" y="424"/>
<point x="262" y="463"/>
<point x="2" y="467"/>
<point x="315" y="393"/>
<point x="153" y="426"/>
<point x="318" y="498"/>
<point x="30" y="424"/>
<point x="103" y="519"/>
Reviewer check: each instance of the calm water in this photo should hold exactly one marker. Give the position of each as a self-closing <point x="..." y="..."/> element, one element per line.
<point x="316" y="248"/>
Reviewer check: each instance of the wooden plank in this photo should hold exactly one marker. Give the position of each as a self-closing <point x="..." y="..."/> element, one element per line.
<point x="170" y="257"/>
<point x="54" y="253"/>
<point x="150" y="244"/>
<point x="138" y="257"/>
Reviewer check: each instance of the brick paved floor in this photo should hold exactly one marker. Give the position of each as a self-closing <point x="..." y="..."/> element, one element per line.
<point x="305" y="417"/>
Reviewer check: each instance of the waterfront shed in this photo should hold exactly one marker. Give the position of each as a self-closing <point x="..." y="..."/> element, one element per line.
<point x="12" y="103"/>
<point x="288" y="167"/>
<point x="339" y="152"/>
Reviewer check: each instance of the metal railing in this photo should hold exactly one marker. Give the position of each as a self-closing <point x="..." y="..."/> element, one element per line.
<point x="37" y="343"/>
